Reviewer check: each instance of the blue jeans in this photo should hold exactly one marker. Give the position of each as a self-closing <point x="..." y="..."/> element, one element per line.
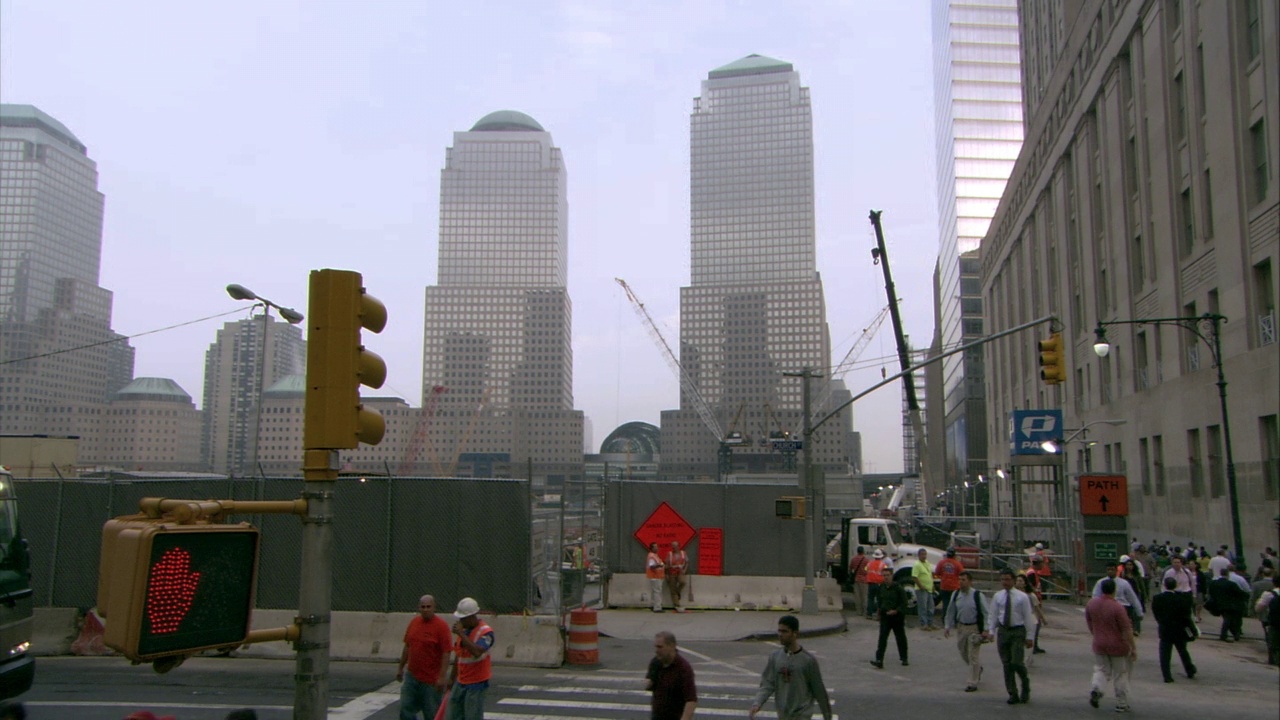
<point x="418" y="697"/>
<point x="924" y="605"/>
<point x="466" y="702"/>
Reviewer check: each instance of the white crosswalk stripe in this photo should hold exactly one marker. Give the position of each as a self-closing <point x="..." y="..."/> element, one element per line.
<point x="620" y="695"/>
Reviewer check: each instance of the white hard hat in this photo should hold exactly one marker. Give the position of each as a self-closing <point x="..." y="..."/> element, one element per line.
<point x="1124" y="559"/>
<point x="878" y="553"/>
<point x="466" y="608"/>
<point x="1039" y="546"/>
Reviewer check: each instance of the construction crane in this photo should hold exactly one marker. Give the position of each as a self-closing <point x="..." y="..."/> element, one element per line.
<point x="448" y="471"/>
<point x="409" y="462"/>
<point x="850" y="358"/>
<point x="687" y="387"/>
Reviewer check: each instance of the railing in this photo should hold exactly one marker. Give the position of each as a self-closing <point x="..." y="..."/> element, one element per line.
<point x="1267" y="328"/>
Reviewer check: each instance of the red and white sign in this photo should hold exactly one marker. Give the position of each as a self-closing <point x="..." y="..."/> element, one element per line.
<point x="710" y="551"/>
<point x="663" y="526"/>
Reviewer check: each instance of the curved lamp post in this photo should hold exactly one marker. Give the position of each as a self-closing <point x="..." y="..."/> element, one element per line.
<point x="293" y="317"/>
<point x="1207" y="327"/>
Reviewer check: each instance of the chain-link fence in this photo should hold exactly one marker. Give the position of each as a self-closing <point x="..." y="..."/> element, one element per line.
<point x="394" y="538"/>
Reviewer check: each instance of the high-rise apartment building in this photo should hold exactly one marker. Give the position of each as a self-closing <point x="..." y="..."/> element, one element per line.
<point x="235" y="373"/>
<point x="499" y="320"/>
<point x="1147" y="190"/>
<point x="978" y="130"/>
<point x="754" y="308"/>
<point x="59" y="358"/>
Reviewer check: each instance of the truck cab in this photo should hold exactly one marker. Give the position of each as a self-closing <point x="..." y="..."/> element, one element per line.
<point x="17" y="666"/>
<point x="874" y="533"/>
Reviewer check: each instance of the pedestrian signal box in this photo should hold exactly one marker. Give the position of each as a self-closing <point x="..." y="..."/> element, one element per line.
<point x="789" y="508"/>
<point x="169" y="589"/>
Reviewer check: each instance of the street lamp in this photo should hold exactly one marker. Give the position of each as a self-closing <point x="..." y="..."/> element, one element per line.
<point x="240" y="292"/>
<point x="1210" y="323"/>
<point x="1053" y="447"/>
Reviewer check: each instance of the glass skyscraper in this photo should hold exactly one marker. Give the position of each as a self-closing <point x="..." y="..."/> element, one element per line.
<point x="499" y="322"/>
<point x="50" y="300"/>
<point x="754" y="308"/>
<point x="978" y="131"/>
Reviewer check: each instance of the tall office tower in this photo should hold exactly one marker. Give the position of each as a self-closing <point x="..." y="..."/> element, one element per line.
<point x="235" y="374"/>
<point x="978" y="132"/>
<point x="58" y="364"/>
<point x="498" y="323"/>
<point x="754" y="308"/>
<point x="1147" y="191"/>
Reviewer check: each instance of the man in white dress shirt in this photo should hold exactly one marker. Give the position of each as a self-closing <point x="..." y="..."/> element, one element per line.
<point x="1011" y="614"/>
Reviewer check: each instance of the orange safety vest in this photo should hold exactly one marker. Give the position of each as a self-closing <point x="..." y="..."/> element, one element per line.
<point x="472" y="670"/>
<point x="677" y="562"/>
<point x="653" y="567"/>
<point x="875" y="572"/>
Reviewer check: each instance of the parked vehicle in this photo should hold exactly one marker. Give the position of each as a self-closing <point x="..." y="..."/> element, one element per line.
<point x="17" y="666"/>
<point x="873" y="533"/>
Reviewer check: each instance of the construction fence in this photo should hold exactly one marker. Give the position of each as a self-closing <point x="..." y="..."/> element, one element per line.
<point x="395" y="539"/>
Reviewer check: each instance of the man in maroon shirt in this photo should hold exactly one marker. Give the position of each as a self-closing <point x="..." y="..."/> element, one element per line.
<point x="427" y="642"/>
<point x="1114" y="650"/>
<point x="670" y="678"/>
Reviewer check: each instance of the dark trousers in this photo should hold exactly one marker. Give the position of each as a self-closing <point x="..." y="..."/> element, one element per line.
<point x="873" y="598"/>
<point x="946" y="600"/>
<point x="896" y="624"/>
<point x="1011" y="644"/>
<point x="1167" y="646"/>
<point x="1232" y="624"/>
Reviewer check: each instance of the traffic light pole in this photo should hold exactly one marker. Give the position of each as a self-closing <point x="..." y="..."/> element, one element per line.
<point x="315" y="594"/>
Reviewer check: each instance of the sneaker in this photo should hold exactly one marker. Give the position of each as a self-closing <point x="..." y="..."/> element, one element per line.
<point x="877" y="664"/>
<point x="1168" y="679"/>
<point x="1123" y="709"/>
<point x="1094" y="697"/>
<point x="905" y="663"/>
<point x="1037" y="651"/>
<point x="971" y="688"/>
<point x="1013" y="700"/>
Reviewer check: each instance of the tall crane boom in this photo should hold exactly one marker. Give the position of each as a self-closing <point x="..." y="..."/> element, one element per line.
<point x="686" y="383"/>
<point x="409" y="461"/>
<point x="850" y="358"/>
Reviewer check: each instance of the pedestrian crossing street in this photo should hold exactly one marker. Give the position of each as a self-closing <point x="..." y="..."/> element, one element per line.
<point x="618" y="695"/>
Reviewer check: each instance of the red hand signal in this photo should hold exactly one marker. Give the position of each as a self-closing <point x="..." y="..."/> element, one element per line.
<point x="170" y="591"/>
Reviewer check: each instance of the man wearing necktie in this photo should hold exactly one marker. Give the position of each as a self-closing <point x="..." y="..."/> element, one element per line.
<point x="1011" y="611"/>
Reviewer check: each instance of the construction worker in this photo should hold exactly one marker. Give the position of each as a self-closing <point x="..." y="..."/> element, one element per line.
<point x="677" y="563"/>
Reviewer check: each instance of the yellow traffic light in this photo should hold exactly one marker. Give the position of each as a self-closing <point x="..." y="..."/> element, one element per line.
<point x="1053" y="366"/>
<point x="168" y="589"/>
<point x="337" y="364"/>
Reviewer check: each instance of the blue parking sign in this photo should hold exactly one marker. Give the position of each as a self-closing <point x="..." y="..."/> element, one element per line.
<point x="1030" y="428"/>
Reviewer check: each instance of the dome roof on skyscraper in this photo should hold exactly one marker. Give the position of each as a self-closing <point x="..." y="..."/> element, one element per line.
<point x="152" y="388"/>
<point x="751" y="65"/>
<point x="506" y="121"/>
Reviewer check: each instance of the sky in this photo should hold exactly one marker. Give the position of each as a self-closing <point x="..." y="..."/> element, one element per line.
<point x="252" y="141"/>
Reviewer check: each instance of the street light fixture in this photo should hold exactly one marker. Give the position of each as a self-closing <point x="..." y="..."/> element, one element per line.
<point x="293" y="317"/>
<point x="1053" y="447"/>
<point x="1210" y="323"/>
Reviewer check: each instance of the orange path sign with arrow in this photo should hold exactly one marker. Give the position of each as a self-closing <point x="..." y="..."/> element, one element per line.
<point x="1104" y="495"/>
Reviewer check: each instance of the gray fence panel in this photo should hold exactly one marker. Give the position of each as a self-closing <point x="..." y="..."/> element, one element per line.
<point x="360" y="545"/>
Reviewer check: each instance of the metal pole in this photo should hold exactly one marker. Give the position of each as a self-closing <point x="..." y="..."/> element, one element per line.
<point x="262" y="387"/>
<point x="315" y="591"/>
<point x="808" y="596"/>
<point x="1226" y="438"/>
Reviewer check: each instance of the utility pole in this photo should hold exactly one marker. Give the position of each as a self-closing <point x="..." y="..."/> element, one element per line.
<point x="808" y="596"/>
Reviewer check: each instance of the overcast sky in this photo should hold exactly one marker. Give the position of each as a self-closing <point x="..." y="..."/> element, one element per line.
<point x="251" y="141"/>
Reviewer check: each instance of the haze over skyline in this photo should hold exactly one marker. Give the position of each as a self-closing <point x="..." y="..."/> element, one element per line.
<point x="253" y="142"/>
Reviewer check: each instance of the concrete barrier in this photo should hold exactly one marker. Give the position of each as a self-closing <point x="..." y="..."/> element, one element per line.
<point x="53" y="630"/>
<point x="727" y="592"/>
<point x="519" y="640"/>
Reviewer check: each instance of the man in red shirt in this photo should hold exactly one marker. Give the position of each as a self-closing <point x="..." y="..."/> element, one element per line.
<point x="427" y="641"/>
<point x="670" y="679"/>
<point x="858" y="574"/>
<point x="948" y="571"/>
<point x="1114" y="650"/>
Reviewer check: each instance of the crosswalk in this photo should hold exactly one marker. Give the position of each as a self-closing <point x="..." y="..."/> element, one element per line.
<point x="618" y="695"/>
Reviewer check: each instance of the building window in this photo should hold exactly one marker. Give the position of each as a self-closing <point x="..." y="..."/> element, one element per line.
<point x="1144" y="461"/>
<point x="1267" y="426"/>
<point x="1264" y="290"/>
<point x="1208" y="205"/>
<point x="1190" y="343"/>
<point x="1179" y="109"/>
<point x="1258" y="145"/>
<point x="1186" y="224"/>
<point x="1157" y="451"/>
<point x="1253" y="29"/>
<point x="1195" y="463"/>
<point x="1216" y="484"/>
<point x="1137" y="268"/>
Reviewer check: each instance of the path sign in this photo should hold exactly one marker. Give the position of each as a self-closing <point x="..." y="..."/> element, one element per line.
<point x="663" y="526"/>
<point x="1104" y="495"/>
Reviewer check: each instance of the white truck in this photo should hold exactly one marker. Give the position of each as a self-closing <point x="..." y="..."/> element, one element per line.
<point x="874" y="533"/>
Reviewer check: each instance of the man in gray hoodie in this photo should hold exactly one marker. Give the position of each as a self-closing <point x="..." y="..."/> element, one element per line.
<point x="792" y="677"/>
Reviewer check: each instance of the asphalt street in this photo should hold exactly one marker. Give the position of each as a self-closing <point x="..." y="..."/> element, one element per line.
<point x="1232" y="682"/>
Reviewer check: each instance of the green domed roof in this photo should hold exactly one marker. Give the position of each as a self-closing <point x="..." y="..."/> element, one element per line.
<point x="751" y="65"/>
<point x="506" y="121"/>
<point x="152" y="388"/>
<point x="288" y="386"/>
